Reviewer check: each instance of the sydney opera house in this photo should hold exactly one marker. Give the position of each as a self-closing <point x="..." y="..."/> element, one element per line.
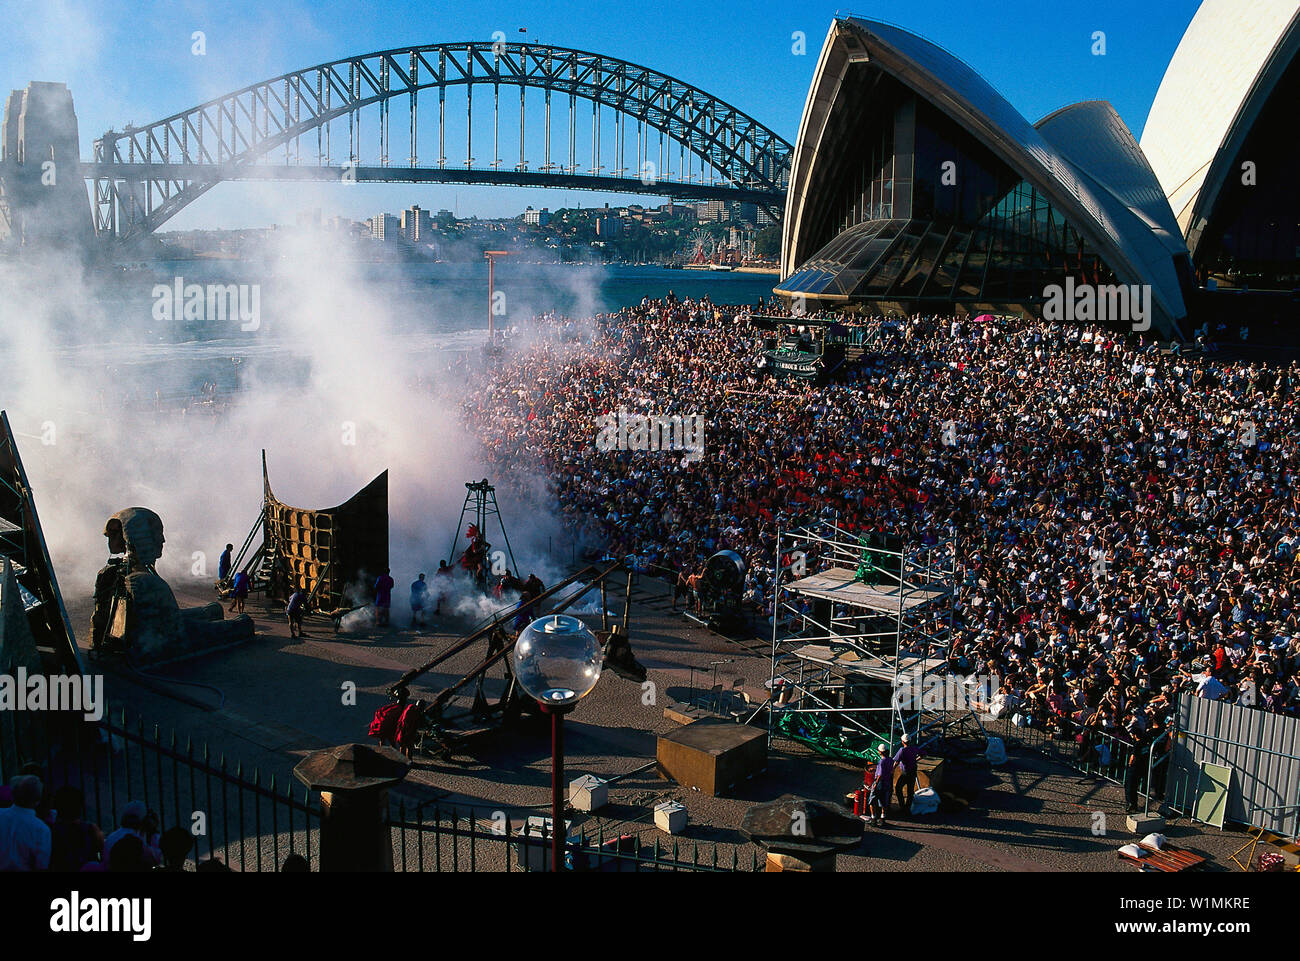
<point x="916" y="186"/>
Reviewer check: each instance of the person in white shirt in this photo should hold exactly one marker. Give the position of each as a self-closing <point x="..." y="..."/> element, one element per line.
<point x="24" y="838"/>
<point x="1208" y="686"/>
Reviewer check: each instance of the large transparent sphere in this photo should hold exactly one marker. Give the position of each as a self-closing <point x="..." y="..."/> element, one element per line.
<point x="557" y="659"/>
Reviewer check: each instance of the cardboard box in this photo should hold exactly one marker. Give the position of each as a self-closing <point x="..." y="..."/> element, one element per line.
<point x="588" y="793"/>
<point x="670" y="816"/>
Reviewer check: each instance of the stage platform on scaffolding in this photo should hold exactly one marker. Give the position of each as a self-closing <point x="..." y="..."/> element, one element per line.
<point x="846" y="660"/>
<point x="839" y="584"/>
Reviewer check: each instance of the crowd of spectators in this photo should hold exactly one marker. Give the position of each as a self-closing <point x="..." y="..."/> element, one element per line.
<point x="1123" y="518"/>
<point x="42" y="830"/>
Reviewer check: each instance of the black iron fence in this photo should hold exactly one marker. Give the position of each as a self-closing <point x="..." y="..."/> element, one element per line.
<point x="432" y="836"/>
<point x="1096" y="753"/>
<point x="235" y="814"/>
<point x="1111" y="757"/>
<point x="252" y="822"/>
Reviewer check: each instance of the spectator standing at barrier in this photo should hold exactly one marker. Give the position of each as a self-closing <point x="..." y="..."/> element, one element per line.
<point x="1139" y="749"/>
<point x="1207" y="685"/>
<point x="130" y="856"/>
<point x="74" y="842"/>
<point x="136" y="823"/>
<point x="906" y="759"/>
<point x="1161" y="748"/>
<point x="419" y="597"/>
<point x="43" y="806"/>
<point x="383" y="597"/>
<point x="175" y="844"/>
<point x="25" y="840"/>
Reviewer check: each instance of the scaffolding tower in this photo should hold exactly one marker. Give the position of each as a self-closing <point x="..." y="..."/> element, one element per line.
<point x="861" y="630"/>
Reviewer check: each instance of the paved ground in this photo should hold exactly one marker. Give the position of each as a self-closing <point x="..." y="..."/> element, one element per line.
<point x="284" y="699"/>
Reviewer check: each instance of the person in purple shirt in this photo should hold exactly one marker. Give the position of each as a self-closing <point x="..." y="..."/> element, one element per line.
<point x="296" y="609"/>
<point x="383" y="597"/>
<point x="239" y="588"/>
<point x="906" y="759"/>
<point x="878" y="799"/>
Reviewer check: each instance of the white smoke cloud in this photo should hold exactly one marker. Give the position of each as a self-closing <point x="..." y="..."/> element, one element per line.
<point x="337" y="356"/>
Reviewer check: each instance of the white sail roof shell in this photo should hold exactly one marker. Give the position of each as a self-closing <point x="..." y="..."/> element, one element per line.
<point x="1227" y="63"/>
<point x="1097" y="178"/>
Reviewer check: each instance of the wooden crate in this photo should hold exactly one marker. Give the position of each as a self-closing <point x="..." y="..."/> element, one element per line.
<point x="712" y="755"/>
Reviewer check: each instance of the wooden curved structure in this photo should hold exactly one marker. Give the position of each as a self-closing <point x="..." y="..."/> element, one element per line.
<point x="324" y="552"/>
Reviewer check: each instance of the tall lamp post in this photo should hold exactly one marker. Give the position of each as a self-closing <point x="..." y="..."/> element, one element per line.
<point x="557" y="662"/>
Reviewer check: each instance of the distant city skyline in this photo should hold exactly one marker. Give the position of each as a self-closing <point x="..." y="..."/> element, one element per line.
<point x="640" y="202"/>
<point x="134" y="63"/>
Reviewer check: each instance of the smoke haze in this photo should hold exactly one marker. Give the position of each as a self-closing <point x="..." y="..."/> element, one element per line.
<point x="336" y="388"/>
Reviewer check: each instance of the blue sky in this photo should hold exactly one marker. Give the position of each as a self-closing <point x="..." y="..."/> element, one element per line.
<point x="132" y="62"/>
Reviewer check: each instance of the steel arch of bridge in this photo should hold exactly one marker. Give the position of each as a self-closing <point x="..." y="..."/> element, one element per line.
<point x="144" y="175"/>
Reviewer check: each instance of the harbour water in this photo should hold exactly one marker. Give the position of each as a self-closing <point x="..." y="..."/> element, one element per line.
<point x="433" y="306"/>
<point x="345" y="373"/>
<point x="442" y="298"/>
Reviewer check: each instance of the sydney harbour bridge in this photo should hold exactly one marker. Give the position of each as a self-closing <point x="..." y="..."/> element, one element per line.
<point x="445" y="113"/>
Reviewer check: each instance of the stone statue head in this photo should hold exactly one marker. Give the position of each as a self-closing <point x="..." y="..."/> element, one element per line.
<point x="137" y="532"/>
<point x="116" y="540"/>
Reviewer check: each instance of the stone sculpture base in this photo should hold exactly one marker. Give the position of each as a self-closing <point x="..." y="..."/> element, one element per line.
<point x="158" y="630"/>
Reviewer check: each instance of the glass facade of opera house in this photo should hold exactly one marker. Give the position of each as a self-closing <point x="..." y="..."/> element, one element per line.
<point x="910" y="207"/>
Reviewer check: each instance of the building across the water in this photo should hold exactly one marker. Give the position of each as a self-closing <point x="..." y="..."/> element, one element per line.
<point x="916" y="186"/>
<point x="417" y="224"/>
<point x="385" y="227"/>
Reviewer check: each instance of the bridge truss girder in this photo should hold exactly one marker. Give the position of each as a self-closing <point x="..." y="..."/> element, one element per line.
<point x="144" y="175"/>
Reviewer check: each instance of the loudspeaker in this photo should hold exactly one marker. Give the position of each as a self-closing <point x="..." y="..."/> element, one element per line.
<point x="862" y="690"/>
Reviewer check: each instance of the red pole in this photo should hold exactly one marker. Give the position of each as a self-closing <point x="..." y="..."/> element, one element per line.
<point x="491" y="287"/>
<point x="558" y="832"/>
